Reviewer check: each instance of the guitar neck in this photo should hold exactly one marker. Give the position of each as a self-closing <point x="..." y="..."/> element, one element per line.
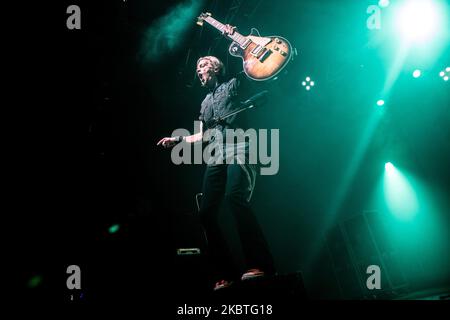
<point x="236" y="36"/>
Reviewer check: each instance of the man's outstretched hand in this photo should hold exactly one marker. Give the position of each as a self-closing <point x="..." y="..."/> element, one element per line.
<point x="168" y="142"/>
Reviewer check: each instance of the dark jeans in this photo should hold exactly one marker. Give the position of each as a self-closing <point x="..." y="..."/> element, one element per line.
<point x="232" y="185"/>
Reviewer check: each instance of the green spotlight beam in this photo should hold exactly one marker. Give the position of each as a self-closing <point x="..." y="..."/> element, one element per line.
<point x="165" y="35"/>
<point x="395" y="69"/>
<point x="399" y="194"/>
<point x="418" y="30"/>
<point x="415" y="224"/>
<point x="347" y="178"/>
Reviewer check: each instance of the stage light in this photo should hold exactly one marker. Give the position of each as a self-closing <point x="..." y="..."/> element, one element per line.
<point x="308" y="83"/>
<point x="400" y="197"/>
<point x="388" y="166"/>
<point x="383" y="3"/>
<point x="114" y="228"/>
<point x="380" y="103"/>
<point x="444" y="74"/>
<point x="35" y="281"/>
<point x="418" y="20"/>
<point x="416" y="73"/>
<point x="304" y="83"/>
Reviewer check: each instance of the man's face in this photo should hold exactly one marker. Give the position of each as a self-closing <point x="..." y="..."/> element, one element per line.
<point x="206" y="74"/>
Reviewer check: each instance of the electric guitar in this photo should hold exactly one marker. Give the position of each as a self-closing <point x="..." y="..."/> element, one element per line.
<point x="263" y="57"/>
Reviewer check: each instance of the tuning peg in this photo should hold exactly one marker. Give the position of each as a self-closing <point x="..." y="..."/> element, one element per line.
<point x="202" y="17"/>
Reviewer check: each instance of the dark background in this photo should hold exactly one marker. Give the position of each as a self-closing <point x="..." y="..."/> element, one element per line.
<point x="89" y="107"/>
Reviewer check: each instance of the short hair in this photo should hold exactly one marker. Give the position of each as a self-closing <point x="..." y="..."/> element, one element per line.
<point x="219" y="67"/>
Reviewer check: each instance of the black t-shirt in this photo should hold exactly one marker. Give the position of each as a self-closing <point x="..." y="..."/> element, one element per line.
<point x="226" y="97"/>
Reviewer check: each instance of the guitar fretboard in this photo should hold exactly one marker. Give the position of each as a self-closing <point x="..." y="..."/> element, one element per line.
<point x="236" y="36"/>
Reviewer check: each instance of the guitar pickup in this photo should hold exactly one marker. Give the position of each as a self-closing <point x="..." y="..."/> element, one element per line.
<point x="257" y="50"/>
<point x="265" y="55"/>
<point x="246" y="44"/>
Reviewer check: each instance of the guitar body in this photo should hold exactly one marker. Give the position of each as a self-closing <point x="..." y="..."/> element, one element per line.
<point x="264" y="57"/>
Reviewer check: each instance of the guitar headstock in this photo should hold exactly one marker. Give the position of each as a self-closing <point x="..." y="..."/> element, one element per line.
<point x="202" y="17"/>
